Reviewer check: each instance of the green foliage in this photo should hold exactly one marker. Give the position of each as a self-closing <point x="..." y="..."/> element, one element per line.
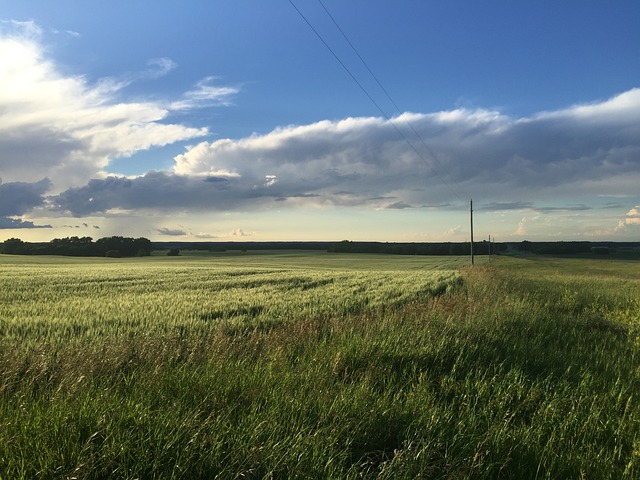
<point x="319" y="366"/>
<point x="80" y="247"/>
<point x="128" y="247"/>
<point x="13" y="246"/>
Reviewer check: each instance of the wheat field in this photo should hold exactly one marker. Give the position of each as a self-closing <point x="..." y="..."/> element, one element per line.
<point x="312" y="365"/>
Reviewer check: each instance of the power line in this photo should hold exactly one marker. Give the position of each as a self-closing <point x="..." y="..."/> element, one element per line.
<point x="433" y="155"/>
<point x="368" y="95"/>
<point x="358" y="54"/>
<point x="353" y="77"/>
<point x="388" y="95"/>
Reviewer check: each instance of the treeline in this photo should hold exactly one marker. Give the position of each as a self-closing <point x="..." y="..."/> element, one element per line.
<point x="131" y="247"/>
<point x="345" y="246"/>
<point x="81" y="247"/>
<point x="444" y="248"/>
<point x="485" y="248"/>
<point x="572" y="248"/>
<point x="242" y="246"/>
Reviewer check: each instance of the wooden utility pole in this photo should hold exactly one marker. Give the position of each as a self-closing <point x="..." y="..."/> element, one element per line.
<point x="471" y="215"/>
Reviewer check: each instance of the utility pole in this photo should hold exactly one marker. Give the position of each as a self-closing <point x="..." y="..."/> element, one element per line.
<point x="471" y="215"/>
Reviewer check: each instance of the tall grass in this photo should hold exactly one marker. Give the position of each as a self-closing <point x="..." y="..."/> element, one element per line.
<point x="525" y="370"/>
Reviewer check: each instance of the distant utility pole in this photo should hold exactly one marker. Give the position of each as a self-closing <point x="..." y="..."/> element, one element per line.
<point x="471" y="215"/>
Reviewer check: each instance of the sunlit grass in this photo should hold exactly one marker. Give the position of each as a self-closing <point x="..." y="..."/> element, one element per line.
<point x="60" y="300"/>
<point x="528" y="369"/>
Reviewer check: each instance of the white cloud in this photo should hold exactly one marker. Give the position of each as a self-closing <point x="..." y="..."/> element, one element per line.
<point x="631" y="220"/>
<point x="71" y="33"/>
<point x="238" y="232"/>
<point x="522" y="227"/>
<point x="453" y="231"/>
<point x="205" y="94"/>
<point x="619" y="109"/>
<point x="270" y="180"/>
<point x="627" y="224"/>
<point x="511" y="164"/>
<point x="482" y="153"/>
<point x="68" y="129"/>
<point x="26" y="29"/>
<point x="159" y="67"/>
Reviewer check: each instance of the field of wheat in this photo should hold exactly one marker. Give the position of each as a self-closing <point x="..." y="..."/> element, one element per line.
<point x="313" y="365"/>
<point x="56" y="299"/>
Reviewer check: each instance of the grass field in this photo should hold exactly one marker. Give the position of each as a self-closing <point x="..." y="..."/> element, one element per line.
<point x="312" y="365"/>
<point x="61" y="299"/>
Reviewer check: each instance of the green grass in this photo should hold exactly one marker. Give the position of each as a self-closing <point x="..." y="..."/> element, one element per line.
<point x="62" y="299"/>
<point x="319" y="366"/>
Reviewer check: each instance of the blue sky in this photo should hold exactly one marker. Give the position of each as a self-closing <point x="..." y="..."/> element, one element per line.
<point x="231" y="120"/>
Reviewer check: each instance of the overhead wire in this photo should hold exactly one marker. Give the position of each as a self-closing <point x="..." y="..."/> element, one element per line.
<point x="388" y="95"/>
<point x="380" y="109"/>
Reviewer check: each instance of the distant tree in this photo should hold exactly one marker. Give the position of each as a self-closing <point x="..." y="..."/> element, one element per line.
<point x="80" y="247"/>
<point x="525" y="246"/>
<point x="113" y="254"/>
<point x="143" y="245"/>
<point x="173" y="252"/>
<point x="73" y="246"/>
<point x="14" y="246"/>
<point x="128" y="247"/>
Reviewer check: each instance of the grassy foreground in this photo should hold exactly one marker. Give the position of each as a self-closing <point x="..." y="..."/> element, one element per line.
<point x="529" y="368"/>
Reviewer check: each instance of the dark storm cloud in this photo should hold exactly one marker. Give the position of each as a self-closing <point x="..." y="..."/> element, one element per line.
<point x="159" y="191"/>
<point x="171" y="232"/>
<point x="8" y="223"/>
<point x="17" y="198"/>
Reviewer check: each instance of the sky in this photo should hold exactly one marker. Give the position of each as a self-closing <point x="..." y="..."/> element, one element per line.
<point x="326" y="120"/>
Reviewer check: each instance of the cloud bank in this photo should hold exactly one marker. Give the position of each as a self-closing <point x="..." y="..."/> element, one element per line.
<point x="18" y="198"/>
<point x="510" y="163"/>
<point x="59" y="132"/>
